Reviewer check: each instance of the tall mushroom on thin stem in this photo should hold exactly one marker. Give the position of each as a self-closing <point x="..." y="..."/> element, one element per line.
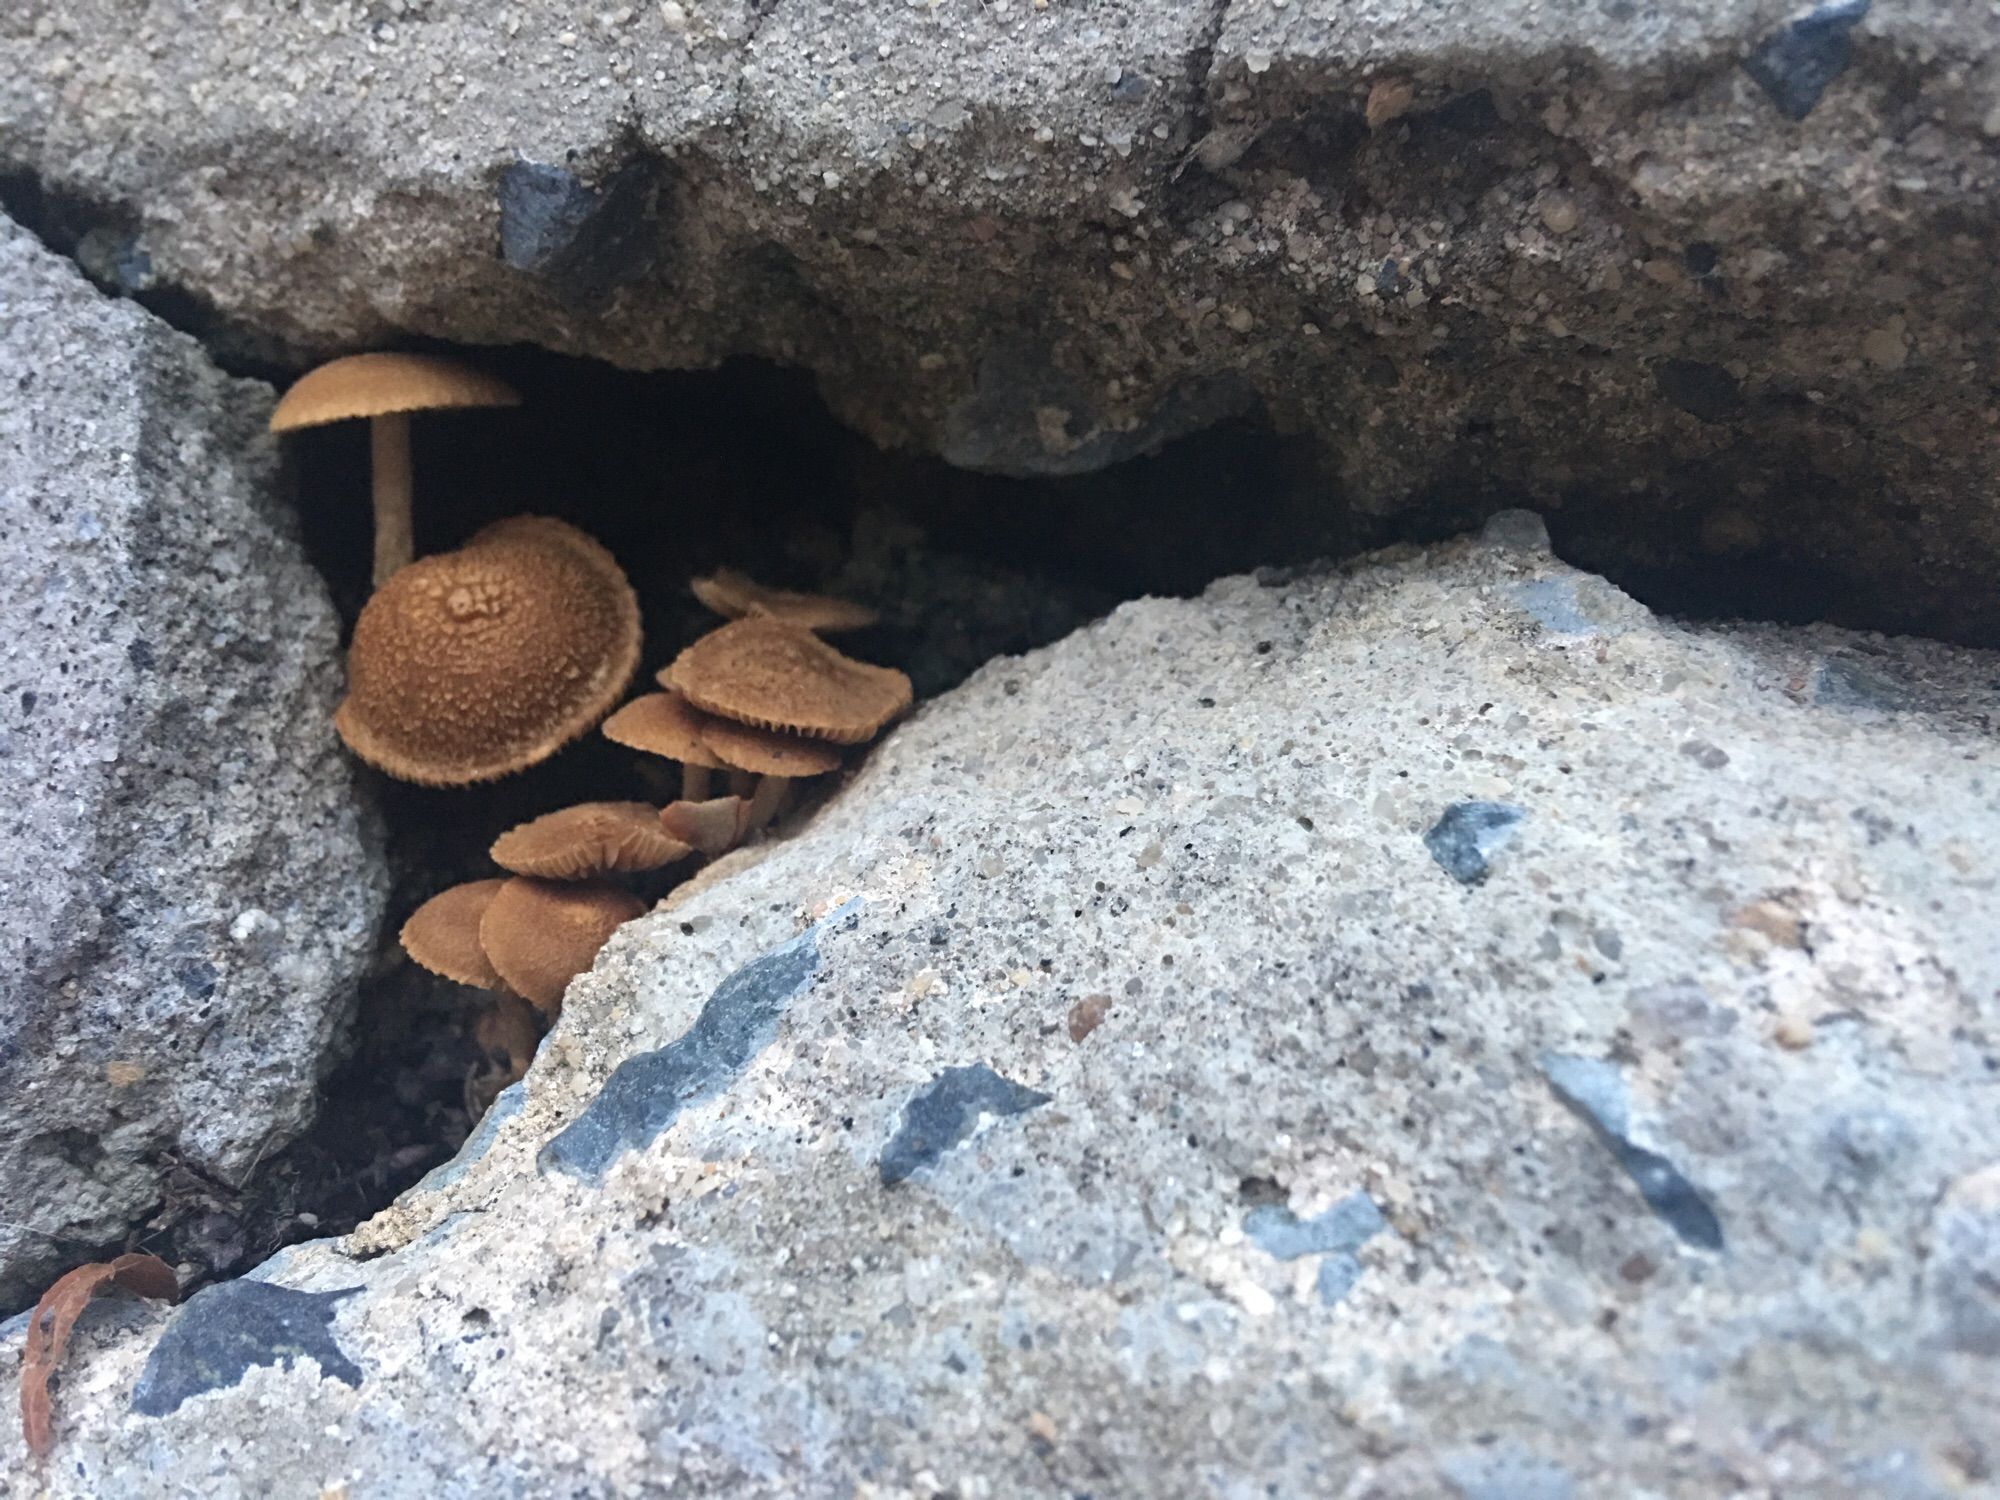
<point x="387" y="388"/>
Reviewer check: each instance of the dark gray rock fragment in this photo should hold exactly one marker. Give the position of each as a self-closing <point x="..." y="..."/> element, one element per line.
<point x="1279" y="1232"/>
<point x="1795" y="63"/>
<point x="584" y="241"/>
<point x="1468" y="835"/>
<point x="645" y="1094"/>
<point x="1843" y="682"/>
<point x="1516" y="530"/>
<point x="945" y="1114"/>
<point x="1594" y="1092"/>
<point x="227" y="1330"/>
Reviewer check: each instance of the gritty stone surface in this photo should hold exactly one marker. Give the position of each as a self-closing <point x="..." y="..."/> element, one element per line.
<point x="1697" y="277"/>
<point x="1328" y="1201"/>
<point x="189" y="887"/>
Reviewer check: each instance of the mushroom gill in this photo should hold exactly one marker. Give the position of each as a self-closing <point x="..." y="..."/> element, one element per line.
<point x="591" y="838"/>
<point x="775" y="760"/>
<point x="713" y="826"/>
<point x="762" y="671"/>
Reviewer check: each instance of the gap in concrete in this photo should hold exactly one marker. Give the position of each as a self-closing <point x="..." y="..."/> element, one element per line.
<point x="679" y="472"/>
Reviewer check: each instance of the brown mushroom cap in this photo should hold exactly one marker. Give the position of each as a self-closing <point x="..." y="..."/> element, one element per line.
<point x="442" y="935"/>
<point x="663" y="724"/>
<point x="592" y="838"/>
<point x="377" y="385"/>
<point x="477" y="663"/>
<point x="761" y="671"/>
<point x="765" y="752"/>
<point x="541" y="934"/>
<point x="733" y="595"/>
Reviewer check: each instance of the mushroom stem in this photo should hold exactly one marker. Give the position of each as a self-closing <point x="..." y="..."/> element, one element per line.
<point x="389" y="441"/>
<point x="517" y="1030"/>
<point x="766" y="802"/>
<point x="694" y="782"/>
<point x="741" y="783"/>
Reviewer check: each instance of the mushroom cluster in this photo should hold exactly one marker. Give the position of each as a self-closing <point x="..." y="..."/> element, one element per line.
<point x="477" y="663"/>
<point x="525" y="936"/>
<point x="762" y="699"/>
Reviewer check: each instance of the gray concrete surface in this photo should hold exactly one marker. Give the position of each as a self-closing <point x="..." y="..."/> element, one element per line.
<point x="189" y="882"/>
<point x="1140" y="1081"/>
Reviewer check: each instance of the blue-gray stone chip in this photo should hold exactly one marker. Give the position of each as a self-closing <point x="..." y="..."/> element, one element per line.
<point x="645" y="1094"/>
<point x="1795" y="63"/>
<point x="1335" y="1234"/>
<point x="1594" y="1091"/>
<point x="1277" y="1231"/>
<point x="226" y="1330"/>
<point x="582" y="241"/>
<point x="946" y="1112"/>
<point x="1468" y="835"/>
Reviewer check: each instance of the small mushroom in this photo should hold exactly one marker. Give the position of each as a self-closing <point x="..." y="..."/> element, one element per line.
<point x="664" y="724"/>
<point x="733" y="595"/>
<point x="541" y="934"/>
<point x="474" y="664"/>
<point x="713" y="827"/>
<point x="776" y="760"/>
<point x="762" y="671"/>
<point x="442" y="935"/>
<point x="387" y="388"/>
<point x="591" y="838"/>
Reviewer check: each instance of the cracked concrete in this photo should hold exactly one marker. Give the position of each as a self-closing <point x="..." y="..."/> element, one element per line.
<point x="1661" y="1161"/>
<point x="1475" y="252"/>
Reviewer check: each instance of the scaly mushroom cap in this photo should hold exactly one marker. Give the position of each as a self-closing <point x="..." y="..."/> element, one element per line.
<point x="663" y="724"/>
<point x="541" y="934"/>
<point x="592" y="838"/>
<point x="375" y="385"/>
<point x="478" y="663"/>
<point x="734" y="595"/>
<point x="765" y="752"/>
<point x="442" y="935"/>
<point x="761" y="671"/>
<point x="711" y="826"/>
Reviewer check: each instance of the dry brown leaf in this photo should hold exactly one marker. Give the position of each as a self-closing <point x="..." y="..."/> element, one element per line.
<point x="56" y="1314"/>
